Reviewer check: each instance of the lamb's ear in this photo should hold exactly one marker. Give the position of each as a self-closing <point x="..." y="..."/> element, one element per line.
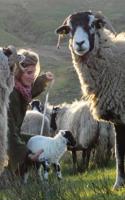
<point x="65" y="133"/>
<point x="99" y="23"/>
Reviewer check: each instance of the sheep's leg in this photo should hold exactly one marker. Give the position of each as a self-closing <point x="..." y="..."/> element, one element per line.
<point x="46" y="169"/>
<point x="58" y="170"/>
<point x="84" y="155"/>
<point x="88" y="152"/>
<point x="85" y="159"/>
<point x="23" y="172"/>
<point x="74" y="158"/>
<point x="120" y="153"/>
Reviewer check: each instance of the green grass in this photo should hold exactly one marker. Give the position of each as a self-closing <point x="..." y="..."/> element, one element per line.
<point x="94" y="184"/>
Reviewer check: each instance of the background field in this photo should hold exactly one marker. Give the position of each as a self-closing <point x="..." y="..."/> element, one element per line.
<point x="32" y="24"/>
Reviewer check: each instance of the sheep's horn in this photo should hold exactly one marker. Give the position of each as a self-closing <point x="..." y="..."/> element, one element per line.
<point x="99" y="15"/>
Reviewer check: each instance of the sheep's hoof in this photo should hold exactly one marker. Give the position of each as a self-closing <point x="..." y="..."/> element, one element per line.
<point x="59" y="175"/>
<point x="23" y="181"/>
<point x="120" y="182"/>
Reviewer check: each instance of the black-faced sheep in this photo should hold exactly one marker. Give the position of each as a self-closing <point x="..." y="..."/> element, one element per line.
<point x="8" y="61"/>
<point x="100" y="67"/>
<point x="88" y="132"/>
<point x="53" y="149"/>
<point x="33" y="119"/>
<point x="37" y="105"/>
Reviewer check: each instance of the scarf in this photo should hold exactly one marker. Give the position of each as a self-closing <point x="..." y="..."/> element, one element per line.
<point x="25" y="91"/>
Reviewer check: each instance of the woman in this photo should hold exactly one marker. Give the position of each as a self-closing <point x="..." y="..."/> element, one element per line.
<point x="27" y="86"/>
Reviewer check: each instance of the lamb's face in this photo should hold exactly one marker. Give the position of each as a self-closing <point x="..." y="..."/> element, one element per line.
<point x="69" y="137"/>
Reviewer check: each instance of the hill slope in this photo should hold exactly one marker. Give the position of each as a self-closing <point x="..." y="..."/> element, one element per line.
<point x="29" y="23"/>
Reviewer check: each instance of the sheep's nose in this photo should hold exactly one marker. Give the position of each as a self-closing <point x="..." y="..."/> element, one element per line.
<point x="80" y="43"/>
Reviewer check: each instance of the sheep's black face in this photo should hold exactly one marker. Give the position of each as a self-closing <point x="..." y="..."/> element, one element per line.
<point x="70" y="139"/>
<point x="81" y="27"/>
<point x="37" y="104"/>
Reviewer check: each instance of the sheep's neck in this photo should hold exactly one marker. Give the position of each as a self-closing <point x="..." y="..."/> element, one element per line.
<point x="90" y="73"/>
<point x="97" y="81"/>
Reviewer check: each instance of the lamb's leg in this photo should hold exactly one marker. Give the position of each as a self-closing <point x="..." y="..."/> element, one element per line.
<point x="46" y="169"/>
<point x="58" y="170"/>
<point x="120" y="153"/>
<point x="38" y="167"/>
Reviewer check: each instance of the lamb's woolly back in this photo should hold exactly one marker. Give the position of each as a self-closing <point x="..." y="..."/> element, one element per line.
<point x="53" y="148"/>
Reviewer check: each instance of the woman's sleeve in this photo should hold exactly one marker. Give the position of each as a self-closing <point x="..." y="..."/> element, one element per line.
<point x="39" y="85"/>
<point x="13" y="115"/>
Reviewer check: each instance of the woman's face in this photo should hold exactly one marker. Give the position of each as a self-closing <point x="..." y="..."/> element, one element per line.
<point x="28" y="75"/>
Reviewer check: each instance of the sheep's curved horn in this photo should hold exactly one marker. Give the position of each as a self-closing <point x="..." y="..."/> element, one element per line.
<point x="108" y="25"/>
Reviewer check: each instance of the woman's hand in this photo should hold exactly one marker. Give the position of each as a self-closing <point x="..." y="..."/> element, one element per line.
<point x="49" y="76"/>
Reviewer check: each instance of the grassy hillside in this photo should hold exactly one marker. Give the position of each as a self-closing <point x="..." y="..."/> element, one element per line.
<point x="95" y="184"/>
<point x="29" y="23"/>
<point x="35" y="21"/>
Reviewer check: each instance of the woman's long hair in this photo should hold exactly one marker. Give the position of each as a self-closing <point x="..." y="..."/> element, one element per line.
<point x="31" y="58"/>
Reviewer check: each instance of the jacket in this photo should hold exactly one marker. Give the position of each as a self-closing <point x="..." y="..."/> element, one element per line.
<point x="16" y="112"/>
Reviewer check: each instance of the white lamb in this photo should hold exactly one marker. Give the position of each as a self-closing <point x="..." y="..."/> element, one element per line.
<point x="53" y="149"/>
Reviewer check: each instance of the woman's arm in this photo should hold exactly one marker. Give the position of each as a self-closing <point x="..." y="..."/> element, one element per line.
<point x="40" y="83"/>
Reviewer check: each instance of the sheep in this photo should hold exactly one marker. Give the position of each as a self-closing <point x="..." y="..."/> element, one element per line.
<point x="104" y="150"/>
<point x="37" y="105"/>
<point x="32" y="122"/>
<point x="8" y="61"/>
<point x="88" y="132"/>
<point x="99" y="64"/>
<point x="53" y="149"/>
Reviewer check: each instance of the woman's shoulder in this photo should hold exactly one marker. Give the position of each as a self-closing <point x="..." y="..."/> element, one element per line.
<point x="14" y="95"/>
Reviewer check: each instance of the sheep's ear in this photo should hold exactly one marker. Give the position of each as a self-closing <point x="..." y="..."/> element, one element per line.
<point x="55" y="109"/>
<point x="7" y="51"/>
<point x="63" y="30"/>
<point x="20" y="58"/>
<point x="62" y="132"/>
<point x="99" y="23"/>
